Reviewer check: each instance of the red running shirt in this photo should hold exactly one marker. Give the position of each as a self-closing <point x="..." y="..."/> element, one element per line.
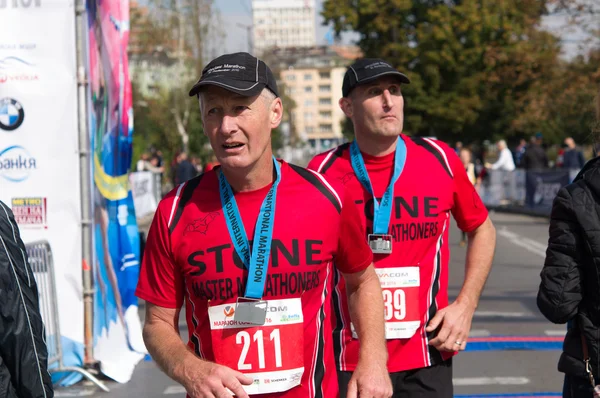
<point x="190" y="258"/>
<point x="432" y="186"/>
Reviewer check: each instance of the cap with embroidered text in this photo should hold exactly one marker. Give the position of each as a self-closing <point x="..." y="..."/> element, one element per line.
<point x="240" y="73"/>
<point x="366" y="70"/>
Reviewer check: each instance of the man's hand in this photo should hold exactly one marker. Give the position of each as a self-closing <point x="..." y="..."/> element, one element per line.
<point x="370" y="379"/>
<point x="455" y="321"/>
<point x="208" y="380"/>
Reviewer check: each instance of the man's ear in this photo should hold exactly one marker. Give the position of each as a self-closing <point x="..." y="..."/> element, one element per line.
<point x="346" y="106"/>
<point x="276" y="111"/>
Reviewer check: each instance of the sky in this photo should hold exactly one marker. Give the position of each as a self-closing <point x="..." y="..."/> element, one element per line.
<point x="234" y="12"/>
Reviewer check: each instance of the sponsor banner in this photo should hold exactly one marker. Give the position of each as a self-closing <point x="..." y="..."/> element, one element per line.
<point x="117" y="328"/>
<point x="143" y="188"/>
<point x="30" y="212"/>
<point x="542" y="187"/>
<point x="39" y="161"/>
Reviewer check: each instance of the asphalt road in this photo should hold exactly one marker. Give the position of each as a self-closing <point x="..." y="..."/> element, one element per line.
<point x="513" y="350"/>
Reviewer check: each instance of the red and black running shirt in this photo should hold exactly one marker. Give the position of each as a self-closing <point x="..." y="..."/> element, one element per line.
<point x="433" y="185"/>
<point x="190" y="258"/>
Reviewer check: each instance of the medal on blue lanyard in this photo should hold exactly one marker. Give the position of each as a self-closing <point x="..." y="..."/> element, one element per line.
<point x="251" y="308"/>
<point x="380" y="241"/>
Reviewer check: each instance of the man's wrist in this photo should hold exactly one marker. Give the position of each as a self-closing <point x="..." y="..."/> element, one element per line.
<point x="467" y="301"/>
<point x="377" y="355"/>
<point x="186" y="367"/>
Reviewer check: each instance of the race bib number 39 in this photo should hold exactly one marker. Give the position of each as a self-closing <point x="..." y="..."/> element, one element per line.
<point x="272" y="354"/>
<point x="400" y="288"/>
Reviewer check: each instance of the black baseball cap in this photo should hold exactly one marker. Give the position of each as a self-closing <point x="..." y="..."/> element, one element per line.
<point x="240" y="73"/>
<point x="366" y="70"/>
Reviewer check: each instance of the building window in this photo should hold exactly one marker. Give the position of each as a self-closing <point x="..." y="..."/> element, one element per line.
<point x="307" y="76"/>
<point x="308" y="116"/>
<point x="308" y="102"/>
<point x="290" y="78"/>
<point x="325" y="128"/>
<point x="325" y="88"/>
<point x="324" y="75"/>
<point x="310" y="130"/>
<point x="325" y="114"/>
<point x="324" y="101"/>
<point x="308" y="89"/>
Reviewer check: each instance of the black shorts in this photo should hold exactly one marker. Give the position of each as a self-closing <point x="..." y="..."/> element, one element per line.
<point x="432" y="382"/>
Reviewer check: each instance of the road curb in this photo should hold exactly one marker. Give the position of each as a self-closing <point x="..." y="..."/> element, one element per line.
<point x="519" y="210"/>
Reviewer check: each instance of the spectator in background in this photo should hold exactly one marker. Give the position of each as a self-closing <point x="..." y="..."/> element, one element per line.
<point x="505" y="160"/>
<point x="141" y="164"/>
<point x="519" y="152"/>
<point x="457" y="147"/>
<point x="573" y="157"/>
<point x="148" y="164"/>
<point x="197" y="164"/>
<point x="212" y="164"/>
<point x="185" y="169"/>
<point x="535" y="157"/>
<point x="466" y="159"/>
<point x="173" y="169"/>
<point x="159" y="155"/>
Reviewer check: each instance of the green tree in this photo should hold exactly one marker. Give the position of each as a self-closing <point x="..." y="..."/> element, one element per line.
<point x="471" y="62"/>
<point x="564" y="106"/>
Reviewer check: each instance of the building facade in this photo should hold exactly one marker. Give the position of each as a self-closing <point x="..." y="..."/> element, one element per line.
<point x="313" y="78"/>
<point x="283" y="24"/>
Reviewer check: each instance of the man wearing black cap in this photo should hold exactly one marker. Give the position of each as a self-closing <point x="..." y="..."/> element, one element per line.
<point x="253" y="263"/>
<point x="405" y="189"/>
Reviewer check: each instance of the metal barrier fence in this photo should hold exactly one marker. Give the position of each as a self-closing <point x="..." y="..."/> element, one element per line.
<point x="532" y="190"/>
<point x="42" y="265"/>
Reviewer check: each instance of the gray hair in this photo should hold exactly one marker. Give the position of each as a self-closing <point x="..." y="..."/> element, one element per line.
<point x="502" y="144"/>
<point x="266" y="94"/>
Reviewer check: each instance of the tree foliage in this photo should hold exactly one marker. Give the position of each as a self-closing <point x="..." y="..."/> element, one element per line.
<point x="479" y="69"/>
<point x="187" y="31"/>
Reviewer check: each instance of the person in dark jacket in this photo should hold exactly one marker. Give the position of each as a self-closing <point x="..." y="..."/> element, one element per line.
<point x="185" y="169"/>
<point x="23" y="351"/>
<point x="534" y="159"/>
<point x="570" y="286"/>
<point x="573" y="157"/>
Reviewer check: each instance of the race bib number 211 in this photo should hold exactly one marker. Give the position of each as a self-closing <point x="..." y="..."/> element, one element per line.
<point x="271" y="353"/>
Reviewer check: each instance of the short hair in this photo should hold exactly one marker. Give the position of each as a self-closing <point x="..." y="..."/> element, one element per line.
<point x="266" y="94"/>
<point x="502" y="143"/>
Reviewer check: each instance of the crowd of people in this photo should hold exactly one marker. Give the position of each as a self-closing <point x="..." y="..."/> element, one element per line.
<point x="532" y="156"/>
<point x="182" y="168"/>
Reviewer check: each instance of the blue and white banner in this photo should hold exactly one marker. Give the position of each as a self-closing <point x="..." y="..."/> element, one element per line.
<point x="118" y="341"/>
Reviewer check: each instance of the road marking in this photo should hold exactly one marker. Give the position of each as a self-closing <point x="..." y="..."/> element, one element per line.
<point x="514" y="395"/>
<point x="501" y="314"/>
<point x="74" y="393"/>
<point x="555" y="332"/>
<point x="174" y="390"/>
<point x="512" y="343"/>
<point x="487" y="381"/>
<point x="526" y="243"/>
<point x="479" y="333"/>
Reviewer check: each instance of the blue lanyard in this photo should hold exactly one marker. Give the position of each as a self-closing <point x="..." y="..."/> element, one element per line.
<point x="382" y="211"/>
<point x="257" y="263"/>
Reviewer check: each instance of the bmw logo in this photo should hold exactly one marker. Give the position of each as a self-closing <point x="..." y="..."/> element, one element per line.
<point x="11" y="114"/>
